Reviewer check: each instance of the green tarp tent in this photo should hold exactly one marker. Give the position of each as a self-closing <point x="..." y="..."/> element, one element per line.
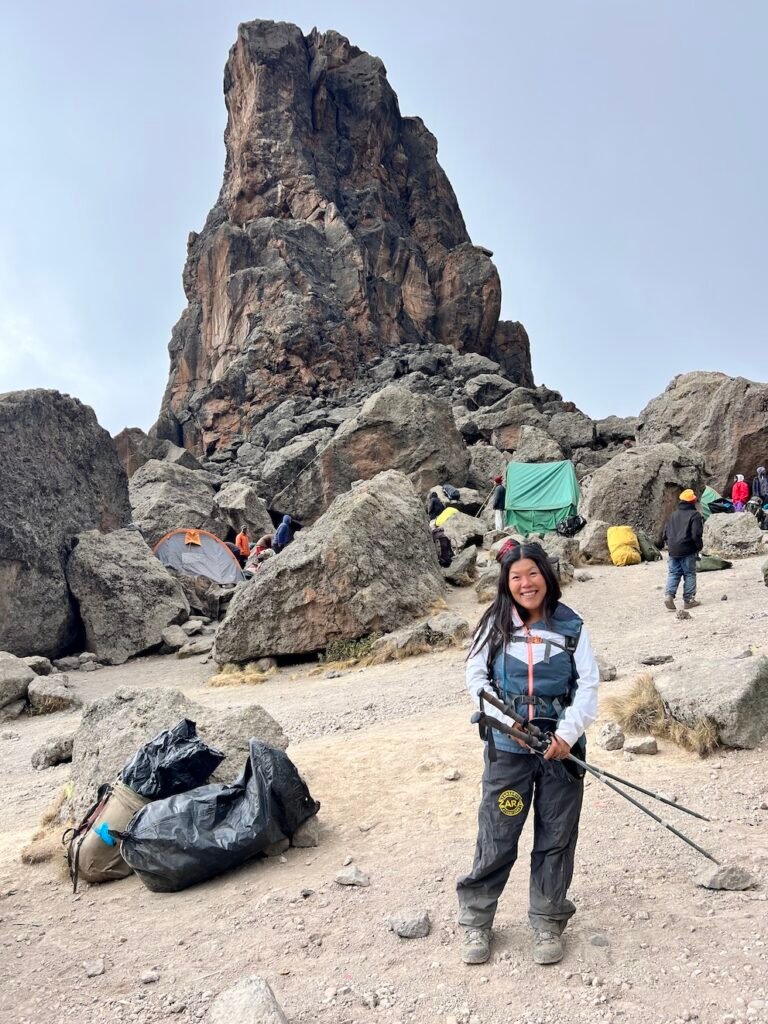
<point x="707" y="495"/>
<point x="540" y="495"/>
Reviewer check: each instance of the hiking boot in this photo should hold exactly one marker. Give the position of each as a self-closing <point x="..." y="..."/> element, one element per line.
<point x="669" y="602"/>
<point x="477" y="945"/>
<point x="693" y="603"/>
<point x="547" y="946"/>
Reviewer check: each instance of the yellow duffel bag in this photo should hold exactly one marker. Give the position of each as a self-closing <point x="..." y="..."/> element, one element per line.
<point x="445" y="515"/>
<point x="623" y="545"/>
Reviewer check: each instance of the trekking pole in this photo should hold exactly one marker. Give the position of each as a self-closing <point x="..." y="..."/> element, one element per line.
<point x="478" y="514"/>
<point x="508" y="710"/>
<point x="540" y="747"/>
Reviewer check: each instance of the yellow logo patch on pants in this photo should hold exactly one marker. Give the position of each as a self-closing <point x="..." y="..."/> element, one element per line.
<point x="510" y="802"/>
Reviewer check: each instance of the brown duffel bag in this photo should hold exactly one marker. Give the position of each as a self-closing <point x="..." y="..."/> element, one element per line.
<point x="92" y="853"/>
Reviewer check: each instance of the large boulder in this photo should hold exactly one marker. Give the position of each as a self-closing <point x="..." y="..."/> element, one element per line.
<point x="536" y="445"/>
<point x="485" y="463"/>
<point x="126" y="596"/>
<point x="593" y="543"/>
<point x="284" y="466"/>
<point x="487" y="388"/>
<point x="368" y="565"/>
<point x="463" y="530"/>
<point x="167" y="497"/>
<point x="15" y="677"/>
<point x="134" y="448"/>
<point x="732" y="535"/>
<point x="59" y="475"/>
<point x="239" y="505"/>
<point x="395" y="429"/>
<point x="640" y="487"/>
<point x="732" y="694"/>
<point x="113" y="728"/>
<point x="724" y="418"/>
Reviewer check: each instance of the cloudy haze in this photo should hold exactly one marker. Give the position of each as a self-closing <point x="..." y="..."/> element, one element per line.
<point x="611" y="154"/>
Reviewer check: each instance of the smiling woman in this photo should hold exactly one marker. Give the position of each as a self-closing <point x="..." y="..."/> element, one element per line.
<point x="534" y="652"/>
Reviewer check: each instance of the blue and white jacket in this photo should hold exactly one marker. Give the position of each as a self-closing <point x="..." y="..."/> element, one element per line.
<point x="551" y="674"/>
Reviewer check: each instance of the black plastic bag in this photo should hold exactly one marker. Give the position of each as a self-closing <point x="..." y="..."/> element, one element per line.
<point x="174" y="843"/>
<point x="174" y="761"/>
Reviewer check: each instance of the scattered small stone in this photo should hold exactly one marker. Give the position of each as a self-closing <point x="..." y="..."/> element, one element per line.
<point x="57" y="750"/>
<point x="86" y="658"/>
<point x="682" y="614"/>
<point x="726" y="876"/>
<point x="367" y="826"/>
<point x="69" y="664"/>
<point x="93" y="968"/>
<point x="306" y="893"/>
<point x="150" y="977"/>
<point x="250" y="1001"/>
<point x="747" y="653"/>
<point x="628" y="756"/>
<point x="452" y="775"/>
<point x="347" y="861"/>
<point x="333" y="674"/>
<point x="645" y="745"/>
<point x="611" y="736"/>
<point x="642" y="915"/>
<point x="352" y="875"/>
<point x="192" y="626"/>
<point x="89" y="666"/>
<point x="192" y="648"/>
<point x="607" y="671"/>
<point x="9" y="734"/>
<point x="410" y="924"/>
<point x="583" y="577"/>
<point x="657" y="659"/>
<point x="764" y="803"/>
<point x="599" y="940"/>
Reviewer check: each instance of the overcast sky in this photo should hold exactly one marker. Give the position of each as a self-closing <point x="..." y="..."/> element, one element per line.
<point x="612" y="154"/>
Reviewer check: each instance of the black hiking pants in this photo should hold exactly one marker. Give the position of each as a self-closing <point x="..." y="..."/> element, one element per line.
<point x="510" y="786"/>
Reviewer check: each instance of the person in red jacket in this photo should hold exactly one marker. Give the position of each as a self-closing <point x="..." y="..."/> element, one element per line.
<point x="740" y="493"/>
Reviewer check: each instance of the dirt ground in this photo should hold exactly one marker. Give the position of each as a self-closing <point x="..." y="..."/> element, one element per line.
<point x="647" y="945"/>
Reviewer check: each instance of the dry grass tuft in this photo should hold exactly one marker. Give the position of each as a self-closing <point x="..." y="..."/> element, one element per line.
<point x="46" y="844"/>
<point x="641" y="710"/>
<point x="232" y="674"/>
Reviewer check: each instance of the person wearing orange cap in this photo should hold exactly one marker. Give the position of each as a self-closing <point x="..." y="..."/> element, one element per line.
<point x="497" y="502"/>
<point x="683" y="536"/>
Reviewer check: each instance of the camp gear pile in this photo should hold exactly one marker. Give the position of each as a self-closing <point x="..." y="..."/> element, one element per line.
<point x="174" y="761"/>
<point x="623" y="545"/>
<point x="188" y="838"/>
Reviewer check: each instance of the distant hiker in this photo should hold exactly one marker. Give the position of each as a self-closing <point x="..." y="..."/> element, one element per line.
<point x="760" y="484"/>
<point x="243" y="543"/>
<point x="283" y="536"/>
<point x="535" y="653"/>
<point x="263" y="543"/>
<point x="434" y="506"/>
<point x="443" y="547"/>
<point x="683" y="538"/>
<point x="739" y="493"/>
<point x="498" y="501"/>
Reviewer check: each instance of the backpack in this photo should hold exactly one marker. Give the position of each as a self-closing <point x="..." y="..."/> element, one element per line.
<point x="442" y="547"/>
<point x="451" y="492"/>
<point x="570" y="526"/>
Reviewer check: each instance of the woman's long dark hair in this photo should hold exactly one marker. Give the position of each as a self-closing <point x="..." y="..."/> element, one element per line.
<point x="498" y="620"/>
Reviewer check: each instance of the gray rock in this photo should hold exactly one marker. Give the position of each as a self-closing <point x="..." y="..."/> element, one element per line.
<point x="47" y="694"/>
<point x="616" y="429"/>
<point x="368" y="565"/>
<point x="90" y="666"/>
<point x="167" y="497"/>
<point x="13" y="710"/>
<point x="59" y="475"/>
<point x="240" y="505"/>
<point x="199" y="645"/>
<point x="307" y="835"/>
<point x="126" y="596"/>
<point x="536" y="445"/>
<point x="410" y="924"/>
<point x="572" y="430"/>
<point x="726" y="876"/>
<point x="94" y="968"/>
<point x="739" y="710"/>
<point x="69" y="664"/>
<point x="488" y="582"/>
<point x="487" y="388"/>
<point x="192" y="627"/>
<point x="644" y="745"/>
<point x="657" y="659"/>
<point x="485" y="463"/>
<point x="150" y="977"/>
<point x="452" y="775"/>
<point x="681" y="614"/>
<point x="134" y="448"/>
<point x="57" y="750"/>
<point x="173" y="638"/>
<point x="461" y="572"/>
<point x="640" y="487"/>
<point x="113" y="728"/>
<point x="583" y="577"/>
<point x="610" y="736"/>
<point x="593" y="543"/>
<point x="40" y="666"/>
<point x="250" y="1001"/>
<point x="284" y="467"/>
<point x="352" y="875"/>
<point x="599" y="940"/>
<point x="395" y="430"/>
<point x="85" y="658"/>
<point x="15" y="677"/>
<point x="446" y="629"/>
<point x="463" y="531"/>
<point x="732" y="535"/>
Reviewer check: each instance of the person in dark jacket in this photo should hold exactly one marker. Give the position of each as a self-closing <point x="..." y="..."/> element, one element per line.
<point x="497" y="502"/>
<point x="683" y="538"/>
<point x="283" y="536"/>
<point x="760" y="484"/>
<point x="434" y="506"/>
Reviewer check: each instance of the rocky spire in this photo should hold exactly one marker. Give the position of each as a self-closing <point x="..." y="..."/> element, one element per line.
<point x="335" y="239"/>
